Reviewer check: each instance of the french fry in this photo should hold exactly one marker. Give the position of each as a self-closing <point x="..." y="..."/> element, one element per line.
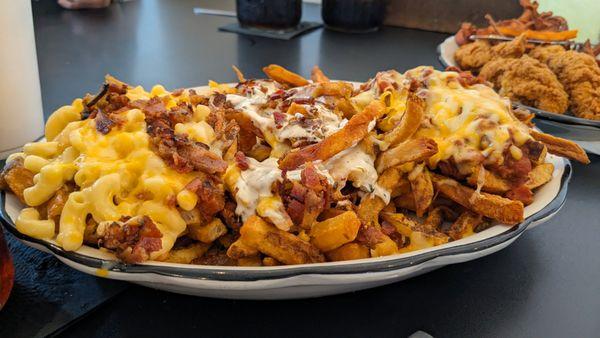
<point x="208" y="232"/>
<point x="385" y="248"/>
<point x="561" y="147"/>
<point x="270" y="261"/>
<point x="296" y="108"/>
<point x="370" y="206"/>
<point x="489" y="205"/>
<point x="284" y="76"/>
<point x="338" y="88"/>
<point x="354" y="131"/>
<point x="422" y="188"/>
<point x="406" y="201"/>
<point x="401" y="188"/>
<point x="410" y="122"/>
<point x="491" y="182"/>
<point x="187" y="254"/>
<point x="434" y="220"/>
<point x="539" y="35"/>
<point x="239" y="249"/>
<point x="348" y="251"/>
<point x="540" y="175"/>
<point x="335" y="232"/>
<point x="465" y="225"/>
<point x="278" y="244"/>
<point x="250" y="261"/>
<point x="317" y="75"/>
<point x="419" y="238"/>
<point x="345" y="107"/>
<point x="238" y="73"/>
<point x="408" y="151"/>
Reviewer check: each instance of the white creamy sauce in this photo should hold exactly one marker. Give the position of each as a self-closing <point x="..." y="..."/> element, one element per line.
<point x="355" y="165"/>
<point x="254" y="183"/>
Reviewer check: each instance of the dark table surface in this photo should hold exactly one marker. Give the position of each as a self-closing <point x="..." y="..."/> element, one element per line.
<point x="546" y="284"/>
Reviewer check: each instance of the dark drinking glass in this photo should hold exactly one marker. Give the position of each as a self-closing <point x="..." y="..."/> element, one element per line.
<point x="272" y="14"/>
<point x="355" y="16"/>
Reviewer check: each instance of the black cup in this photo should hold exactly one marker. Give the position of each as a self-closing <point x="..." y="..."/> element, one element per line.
<point x="270" y="14"/>
<point x="354" y="16"/>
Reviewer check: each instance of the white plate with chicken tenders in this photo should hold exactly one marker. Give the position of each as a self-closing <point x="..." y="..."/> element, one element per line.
<point x="283" y="187"/>
<point x="533" y="61"/>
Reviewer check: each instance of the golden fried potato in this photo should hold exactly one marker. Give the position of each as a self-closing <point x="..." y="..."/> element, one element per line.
<point x="539" y="175"/>
<point x="348" y="251"/>
<point x="284" y="76"/>
<point x="208" y="232"/>
<point x="422" y="188"/>
<point x="492" y="206"/>
<point x="465" y="225"/>
<point x="334" y="232"/>
<point x="408" y="151"/>
<point x="278" y="244"/>
<point x="187" y="254"/>
<point x="317" y="75"/>
<point x="561" y="147"/>
<point x="354" y="131"/>
<point x="411" y="120"/>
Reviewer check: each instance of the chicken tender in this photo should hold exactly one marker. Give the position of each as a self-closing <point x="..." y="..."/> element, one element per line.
<point x="473" y="56"/>
<point x="511" y="49"/>
<point x="532" y="83"/>
<point x="543" y="53"/>
<point x="494" y="70"/>
<point x="580" y="76"/>
<point x="585" y="101"/>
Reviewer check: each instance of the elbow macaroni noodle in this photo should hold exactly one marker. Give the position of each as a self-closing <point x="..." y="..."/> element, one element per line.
<point x="117" y="174"/>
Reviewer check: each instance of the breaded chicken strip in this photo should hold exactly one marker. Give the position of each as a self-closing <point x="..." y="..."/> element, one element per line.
<point x="474" y="55"/>
<point x="544" y="52"/>
<point x="511" y="49"/>
<point x="494" y="70"/>
<point x="585" y="101"/>
<point x="532" y="83"/>
<point x="580" y="76"/>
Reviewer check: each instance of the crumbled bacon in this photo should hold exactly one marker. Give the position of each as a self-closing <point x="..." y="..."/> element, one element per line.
<point x="185" y="155"/>
<point x="210" y="192"/>
<point x="279" y="118"/>
<point x="228" y="214"/>
<point x="305" y="200"/>
<point x="132" y="241"/>
<point x="370" y="236"/>
<point x="103" y="123"/>
<point x="241" y="161"/>
<point x="466" y="78"/>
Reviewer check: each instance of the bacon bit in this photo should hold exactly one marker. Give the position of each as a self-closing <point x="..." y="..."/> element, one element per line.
<point x="228" y="214"/>
<point x="177" y="92"/>
<point x="305" y="200"/>
<point x="217" y="100"/>
<point x="303" y="100"/>
<point x="280" y="94"/>
<point x="394" y="235"/>
<point x="171" y="201"/>
<point x="279" y="119"/>
<point x="132" y="241"/>
<point x="210" y="192"/>
<point x="466" y="78"/>
<point x="118" y="88"/>
<point x="241" y="161"/>
<point x="521" y="193"/>
<point x="103" y="123"/>
<point x="311" y="178"/>
<point x="370" y="236"/>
